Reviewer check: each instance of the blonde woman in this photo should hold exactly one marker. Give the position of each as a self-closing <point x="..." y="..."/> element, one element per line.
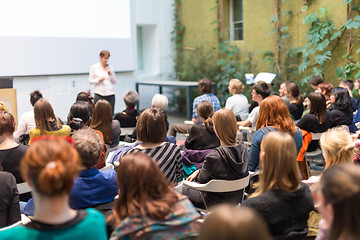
<point x="281" y="199"/>
<point x="228" y="222"/>
<point x="337" y="147"/>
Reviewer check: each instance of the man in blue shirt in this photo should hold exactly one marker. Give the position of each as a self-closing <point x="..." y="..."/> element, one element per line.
<point x="205" y="89"/>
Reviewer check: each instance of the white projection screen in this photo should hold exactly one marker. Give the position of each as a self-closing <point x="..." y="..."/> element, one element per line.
<point x="50" y="37"/>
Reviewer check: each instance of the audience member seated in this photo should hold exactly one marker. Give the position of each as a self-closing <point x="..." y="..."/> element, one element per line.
<point x="46" y="122"/>
<point x="357" y="88"/>
<point x="203" y="136"/>
<point x="315" y="81"/>
<point x="27" y="120"/>
<point x="260" y="91"/>
<point x="337" y="147"/>
<point x="349" y="85"/>
<point x="325" y="89"/>
<point x="274" y="116"/>
<point x="148" y="207"/>
<point x="234" y="223"/>
<point x="318" y="119"/>
<point x="86" y="97"/>
<point x="127" y="118"/>
<point x="50" y="166"/>
<point x="205" y="89"/>
<point x="9" y="200"/>
<point x="92" y="188"/>
<point x="79" y="117"/>
<point x="281" y="199"/>
<point x="237" y="103"/>
<point x="102" y="120"/>
<point x="339" y="203"/>
<point x="295" y="106"/>
<point x="230" y="161"/>
<point x="11" y="152"/>
<point x="282" y="90"/>
<point x="151" y="131"/>
<point x="341" y="109"/>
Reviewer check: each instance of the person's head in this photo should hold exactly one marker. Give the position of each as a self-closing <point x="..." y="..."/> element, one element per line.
<point x="318" y="106"/>
<point x="89" y="146"/>
<point x="102" y="118"/>
<point x="260" y="91"/>
<point x="274" y="113"/>
<point x="228" y="222"/>
<point x="151" y="126"/>
<point x="325" y="89"/>
<point x="43" y="114"/>
<point x="282" y="89"/>
<point x="279" y="168"/>
<point x="50" y="165"/>
<point x="159" y="101"/>
<point x="3" y="107"/>
<point x="348" y="84"/>
<point x="293" y="91"/>
<point x="7" y="124"/>
<point x="85" y="97"/>
<point x="357" y="84"/>
<point x="131" y="98"/>
<point x="206" y="110"/>
<point x="235" y="86"/>
<point x="143" y="189"/>
<point x="205" y="86"/>
<point x="315" y="81"/>
<point x="337" y="147"/>
<point x="225" y="126"/>
<point x="79" y="115"/>
<point x="340" y="99"/>
<point x="35" y="96"/>
<point x="340" y="208"/>
<point x="104" y="57"/>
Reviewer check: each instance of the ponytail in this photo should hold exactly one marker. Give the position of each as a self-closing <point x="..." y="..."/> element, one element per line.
<point x="209" y="125"/>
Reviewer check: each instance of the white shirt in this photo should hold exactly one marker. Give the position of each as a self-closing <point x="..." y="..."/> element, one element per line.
<point x="26" y="123"/>
<point x="254" y="115"/>
<point x="106" y="87"/>
<point x="238" y="103"/>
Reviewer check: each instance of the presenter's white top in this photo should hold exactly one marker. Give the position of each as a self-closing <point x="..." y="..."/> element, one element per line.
<point x="26" y="123"/>
<point x="106" y="87"/>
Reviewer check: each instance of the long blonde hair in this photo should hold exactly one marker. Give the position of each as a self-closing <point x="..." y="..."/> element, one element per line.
<point x="337" y="147"/>
<point x="279" y="166"/>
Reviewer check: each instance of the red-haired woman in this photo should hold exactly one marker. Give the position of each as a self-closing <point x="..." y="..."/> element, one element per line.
<point x="148" y="207"/>
<point x="50" y="166"/>
<point x="273" y="116"/>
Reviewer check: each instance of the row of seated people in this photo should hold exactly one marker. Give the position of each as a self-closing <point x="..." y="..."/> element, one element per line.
<point x="284" y="203"/>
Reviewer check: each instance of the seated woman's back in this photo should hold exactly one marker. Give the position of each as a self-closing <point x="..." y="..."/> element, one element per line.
<point x="282" y="200"/>
<point x="148" y="207"/>
<point x="202" y="136"/>
<point x="50" y="166"/>
<point x="46" y="122"/>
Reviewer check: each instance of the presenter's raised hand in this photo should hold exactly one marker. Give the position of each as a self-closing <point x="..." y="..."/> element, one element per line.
<point x="101" y="79"/>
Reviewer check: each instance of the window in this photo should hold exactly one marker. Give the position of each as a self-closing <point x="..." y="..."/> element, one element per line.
<point x="236" y="20"/>
<point x="139" y="42"/>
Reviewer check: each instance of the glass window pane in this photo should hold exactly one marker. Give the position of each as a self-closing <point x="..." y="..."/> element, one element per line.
<point x="237" y="10"/>
<point x="238" y="31"/>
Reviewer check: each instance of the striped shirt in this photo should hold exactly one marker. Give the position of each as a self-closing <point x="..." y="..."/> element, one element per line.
<point x="168" y="158"/>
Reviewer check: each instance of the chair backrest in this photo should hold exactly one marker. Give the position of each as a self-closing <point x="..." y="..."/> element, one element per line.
<point x="127" y="131"/>
<point x="23" y="187"/>
<point x="316" y="136"/>
<point x="217" y="185"/>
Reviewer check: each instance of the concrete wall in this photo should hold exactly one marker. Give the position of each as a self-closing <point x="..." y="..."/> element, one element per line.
<point x="158" y="55"/>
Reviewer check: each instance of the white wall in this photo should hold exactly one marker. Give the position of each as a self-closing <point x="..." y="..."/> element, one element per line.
<point x="61" y="90"/>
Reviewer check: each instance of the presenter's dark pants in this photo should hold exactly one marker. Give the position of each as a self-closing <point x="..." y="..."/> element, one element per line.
<point x="109" y="98"/>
